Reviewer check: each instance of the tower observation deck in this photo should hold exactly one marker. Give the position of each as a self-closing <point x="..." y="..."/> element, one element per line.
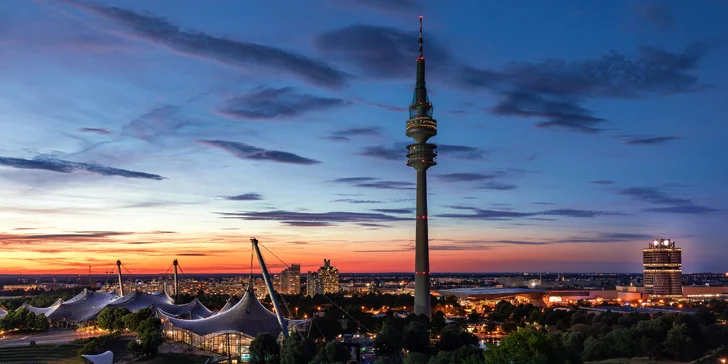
<point x="421" y="155"/>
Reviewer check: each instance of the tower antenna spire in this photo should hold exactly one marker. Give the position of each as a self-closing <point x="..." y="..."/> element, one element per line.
<point x="421" y="41"/>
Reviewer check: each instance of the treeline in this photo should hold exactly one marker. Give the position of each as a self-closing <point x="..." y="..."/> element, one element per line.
<point x="39" y="298"/>
<point x="22" y="319"/>
<point x="599" y="336"/>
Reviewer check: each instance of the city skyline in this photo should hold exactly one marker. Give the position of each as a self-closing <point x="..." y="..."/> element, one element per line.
<point x="571" y="135"/>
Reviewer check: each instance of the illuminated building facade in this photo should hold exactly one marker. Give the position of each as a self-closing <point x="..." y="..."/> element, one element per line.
<point x="662" y="269"/>
<point x="291" y="280"/>
<point x="329" y="277"/>
<point x="313" y="284"/>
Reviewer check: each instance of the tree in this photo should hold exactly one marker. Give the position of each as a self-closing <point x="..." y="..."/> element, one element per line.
<point x="394" y="359"/>
<point x="416" y="358"/>
<point x="131" y="321"/>
<point x="438" y="322"/>
<point x="627" y="321"/>
<point x="112" y="318"/>
<point x="527" y="346"/>
<point x="149" y="338"/>
<point x="678" y="342"/>
<point x="573" y="341"/>
<point x="724" y="315"/>
<point x="468" y="354"/>
<point x="577" y="318"/>
<point x="453" y="338"/>
<point x="333" y="352"/>
<point x="262" y="348"/>
<point x="296" y="350"/>
<point x="596" y="349"/>
<point x="388" y="341"/>
<point x="415" y="337"/>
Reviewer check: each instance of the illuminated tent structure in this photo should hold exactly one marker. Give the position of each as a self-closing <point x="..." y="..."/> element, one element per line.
<point x="229" y="303"/>
<point x="86" y="306"/>
<point x="136" y="300"/>
<point x="83" y="307"/>
<point x="3" y="313"/>
<point x="106" y="357"/>
<point x="192" y="310"/>
<point x="231" y="330"/>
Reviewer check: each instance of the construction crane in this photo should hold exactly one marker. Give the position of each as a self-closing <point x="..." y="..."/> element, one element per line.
<point x="269" y="284"/>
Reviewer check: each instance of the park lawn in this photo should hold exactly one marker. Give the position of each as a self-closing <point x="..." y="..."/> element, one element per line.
<point x="634" y="361"/>
<point x="65" y="353"/>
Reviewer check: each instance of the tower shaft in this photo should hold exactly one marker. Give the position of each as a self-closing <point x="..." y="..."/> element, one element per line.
<point x="422" y="249"/>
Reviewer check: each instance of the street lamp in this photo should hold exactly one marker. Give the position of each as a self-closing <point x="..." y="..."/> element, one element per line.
<point x="723" y="360"/>
<point x="296" y="311"/>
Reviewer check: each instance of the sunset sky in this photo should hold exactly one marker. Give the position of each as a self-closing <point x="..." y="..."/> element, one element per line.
<point x="571" y="133"/>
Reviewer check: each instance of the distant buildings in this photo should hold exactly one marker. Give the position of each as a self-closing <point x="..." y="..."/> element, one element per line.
<point x="313" y="284"/>
<point x="329" y="277"/>
<point x="662" y="272"/>
<point x="326" y="280"/>
<point x="291" y="280"/>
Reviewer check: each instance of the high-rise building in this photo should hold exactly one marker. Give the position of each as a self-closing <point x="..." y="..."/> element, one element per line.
<point x="421" y="156"/>
<point x="662" y="273"/>
<point x="329" y="277"/>
<point x="314" y="285"/>
<point x="291" y="280"/>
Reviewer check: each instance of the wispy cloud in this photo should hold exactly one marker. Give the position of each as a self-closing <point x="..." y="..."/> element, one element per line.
<point x="602" y="182"/>
<point x="671" y="204"/>
<point x="654" y="14"/>
<point x="295" y="218"/>
<point x="350" y="200"/>
<point x="371" y="182"/>
<point x="555" y="90"/>
<point x="345" y="135"/>
<point x="245" y="197"/>
<point x="265" y="103"/>
<point x="394" y="211"/>
<point x="233" y="53"/>
<point x="49" y="163"/>
<point x="386" y="153"/>
<point x="100" y="131"/>
<point x="498" y="186"/>
<point x="245" y="151"/>
<point x="460" y="152"/>
<point x="465" y="177"/>
<point x="386" y="5"/>
<point x="485" y="214"/>
<point x="637" y="140"/>
<point x="363" y="45"/>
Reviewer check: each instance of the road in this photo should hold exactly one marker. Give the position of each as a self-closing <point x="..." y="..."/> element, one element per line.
<point x="52" y="336"/>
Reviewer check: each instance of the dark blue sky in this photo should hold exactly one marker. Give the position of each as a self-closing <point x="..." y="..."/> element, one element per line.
<point x="571" y="133"/>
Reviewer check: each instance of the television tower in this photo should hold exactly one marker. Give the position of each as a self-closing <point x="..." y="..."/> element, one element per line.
<point x="421" y="156"/>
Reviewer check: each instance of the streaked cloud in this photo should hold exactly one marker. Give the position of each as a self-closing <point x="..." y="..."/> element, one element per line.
<point x="233" y="53"/>
<point x="53" y="164"/>
<point x="246" y="151"/>
<point x="266" y="103"/>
